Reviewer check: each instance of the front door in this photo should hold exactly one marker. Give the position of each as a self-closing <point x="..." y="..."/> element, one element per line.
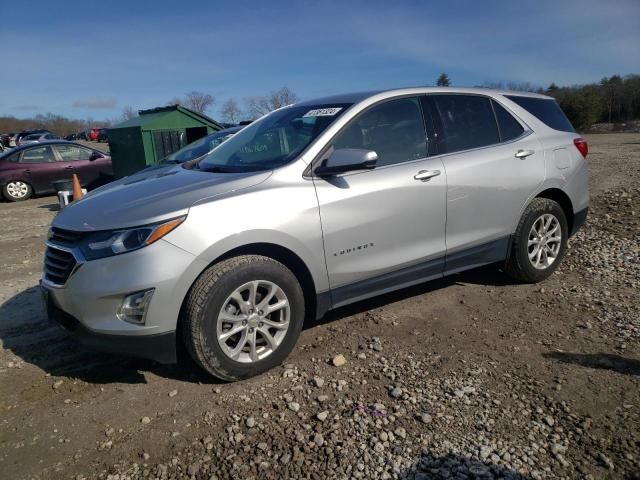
<point x="384" y="228"/>
<point x="77" y="159"/>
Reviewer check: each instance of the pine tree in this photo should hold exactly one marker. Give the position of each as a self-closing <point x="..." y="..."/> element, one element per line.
<point x="443" y="80"/>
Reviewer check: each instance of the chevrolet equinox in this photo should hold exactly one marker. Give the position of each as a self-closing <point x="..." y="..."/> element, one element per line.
<point x="314" y="206"/>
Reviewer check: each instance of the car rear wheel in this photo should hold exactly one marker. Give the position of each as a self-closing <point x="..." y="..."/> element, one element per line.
<point x="243" y="316"/>
<point x="539" y="243"/>
<point x="17" y="190"/>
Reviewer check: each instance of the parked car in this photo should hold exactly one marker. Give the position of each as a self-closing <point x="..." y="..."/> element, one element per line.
<point x="71" y="137"/>
<point x="38" y="138"/>
<point x="312" y="207"/>
<point x="30" y="131"/>
<point x="103" y="135"/>
<point x="201" y="147"/>
<point x="30" y="169"/>
<point x="82" y="135"/>
<point x="92" y="134"/>
<point x="6" y="140"/>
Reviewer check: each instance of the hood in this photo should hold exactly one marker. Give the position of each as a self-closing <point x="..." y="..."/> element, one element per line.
<point x="149" y="196"/>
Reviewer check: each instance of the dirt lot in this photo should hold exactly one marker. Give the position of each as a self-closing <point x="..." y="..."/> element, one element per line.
<point x="469" y="377"/>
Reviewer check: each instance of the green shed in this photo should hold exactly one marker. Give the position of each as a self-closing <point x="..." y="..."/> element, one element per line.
<point x="154" y="134"/>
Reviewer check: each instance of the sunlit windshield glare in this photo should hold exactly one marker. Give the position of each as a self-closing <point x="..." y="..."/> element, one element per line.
<point x="274" y="140"/>
<point x="197" y="148"/>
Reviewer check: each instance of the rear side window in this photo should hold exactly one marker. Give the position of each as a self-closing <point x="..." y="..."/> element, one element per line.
<point x="37" y="155"/>
<point x="509" y="127"/>
<point x="546" y="110"/>
<point x="467" y="122"/>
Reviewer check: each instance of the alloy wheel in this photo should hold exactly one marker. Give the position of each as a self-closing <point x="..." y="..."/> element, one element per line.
<point x="545" y="239"/>
<point x="253" y="321"/>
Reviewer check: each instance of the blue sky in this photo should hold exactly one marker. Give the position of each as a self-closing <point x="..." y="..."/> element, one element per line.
<point x="92" y="59"/>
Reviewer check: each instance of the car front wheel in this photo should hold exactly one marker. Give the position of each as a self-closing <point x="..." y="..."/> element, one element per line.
<point x="243" y="316"/>
<point x="16" y="191"/>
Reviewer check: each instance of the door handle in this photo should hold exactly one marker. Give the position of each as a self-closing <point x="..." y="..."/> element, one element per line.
<point x="524" y="153"/>
<point x="69" y="167"/>
<point x="425" y="175"/>
<point x="28" y="170"/>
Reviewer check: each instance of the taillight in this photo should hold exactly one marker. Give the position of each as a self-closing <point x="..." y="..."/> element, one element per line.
<point x="581" y="145"/>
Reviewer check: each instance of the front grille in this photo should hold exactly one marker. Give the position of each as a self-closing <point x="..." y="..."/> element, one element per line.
<point x="68" y="238"/>
<point x="58" y="265"/>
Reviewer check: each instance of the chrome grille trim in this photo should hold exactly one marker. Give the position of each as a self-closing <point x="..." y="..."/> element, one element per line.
<point x="60" y="263"/>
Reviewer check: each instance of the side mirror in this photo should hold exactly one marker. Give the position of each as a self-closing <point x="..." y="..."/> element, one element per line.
<point x="346" y="160"/>
<point x="95" y="156"/>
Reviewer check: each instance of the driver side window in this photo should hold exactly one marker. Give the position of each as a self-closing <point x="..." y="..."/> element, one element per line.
<point x="69" y="153"/>
<point x="394" y="130"/>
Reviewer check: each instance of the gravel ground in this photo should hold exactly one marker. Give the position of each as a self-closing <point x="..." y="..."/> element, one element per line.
<point x="468" y="377"/>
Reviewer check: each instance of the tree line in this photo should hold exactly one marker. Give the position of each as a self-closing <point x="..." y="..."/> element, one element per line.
<point x="232" y="111"/>
<point x="614" y="99"/>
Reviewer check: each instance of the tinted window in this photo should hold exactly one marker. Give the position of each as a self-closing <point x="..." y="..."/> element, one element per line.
<point x="11" y="157"/>
<point x="37" y="155"/>
<point x="72" y="152"/>
<point x="394" y="130"/>
<point x="509" y="126"/>
<point x="545" y="110"/>
<point x="467" y="122"/>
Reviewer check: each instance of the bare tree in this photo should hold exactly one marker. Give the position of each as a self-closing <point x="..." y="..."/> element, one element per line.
<point x="197" y="101"/>
<point x="258" y="106"/>
<point x="230" y="111"/>
<point x="282" y="97"/>
<point x="128" y="113"/>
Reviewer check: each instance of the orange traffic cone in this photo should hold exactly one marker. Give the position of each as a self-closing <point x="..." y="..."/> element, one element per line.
<point x="77" y="189"/>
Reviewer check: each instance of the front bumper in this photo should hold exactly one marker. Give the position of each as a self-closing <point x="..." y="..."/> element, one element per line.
<point x="88" y="302"/>
<point x="160" y="347"/>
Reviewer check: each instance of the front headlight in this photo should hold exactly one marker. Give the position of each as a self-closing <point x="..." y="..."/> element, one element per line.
<point x="115" y="242"/>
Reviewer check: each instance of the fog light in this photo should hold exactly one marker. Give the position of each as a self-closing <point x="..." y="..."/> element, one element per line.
<point x="134" y="307"/>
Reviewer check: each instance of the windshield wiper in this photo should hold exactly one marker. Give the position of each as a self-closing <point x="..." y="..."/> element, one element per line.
<point x="217" y="169"/>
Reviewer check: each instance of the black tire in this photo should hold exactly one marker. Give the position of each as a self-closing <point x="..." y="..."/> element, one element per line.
<point x="518" y="265"/>
<point x="12" y="198"/>
<point x="207" y="297"/>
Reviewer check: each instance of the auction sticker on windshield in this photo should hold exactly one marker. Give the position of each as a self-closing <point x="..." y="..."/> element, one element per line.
<point x="322" y="112"/>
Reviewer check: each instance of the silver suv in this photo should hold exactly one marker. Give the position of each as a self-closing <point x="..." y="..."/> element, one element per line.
<point x="314" y="206"/>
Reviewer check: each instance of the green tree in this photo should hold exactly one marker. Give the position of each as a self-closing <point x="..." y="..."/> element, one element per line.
<point x="443" y="80"/>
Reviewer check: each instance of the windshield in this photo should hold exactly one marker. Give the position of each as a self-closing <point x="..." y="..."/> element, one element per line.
<point x="198" y="148"/>
<point x="274" y="140"/>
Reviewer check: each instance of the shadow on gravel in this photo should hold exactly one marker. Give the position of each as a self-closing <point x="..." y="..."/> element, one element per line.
<point x="606" y="361"/>
<point x="52" y="207"/>
<point x="26" y="332"/>
<point x="489" y="275"/>
<point x="430" y="467"/>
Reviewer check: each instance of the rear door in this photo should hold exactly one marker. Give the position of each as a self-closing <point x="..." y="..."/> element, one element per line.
<point x="384" y="228"/>
<point x="39" y="168"/>
<point x="493" y="163"/>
